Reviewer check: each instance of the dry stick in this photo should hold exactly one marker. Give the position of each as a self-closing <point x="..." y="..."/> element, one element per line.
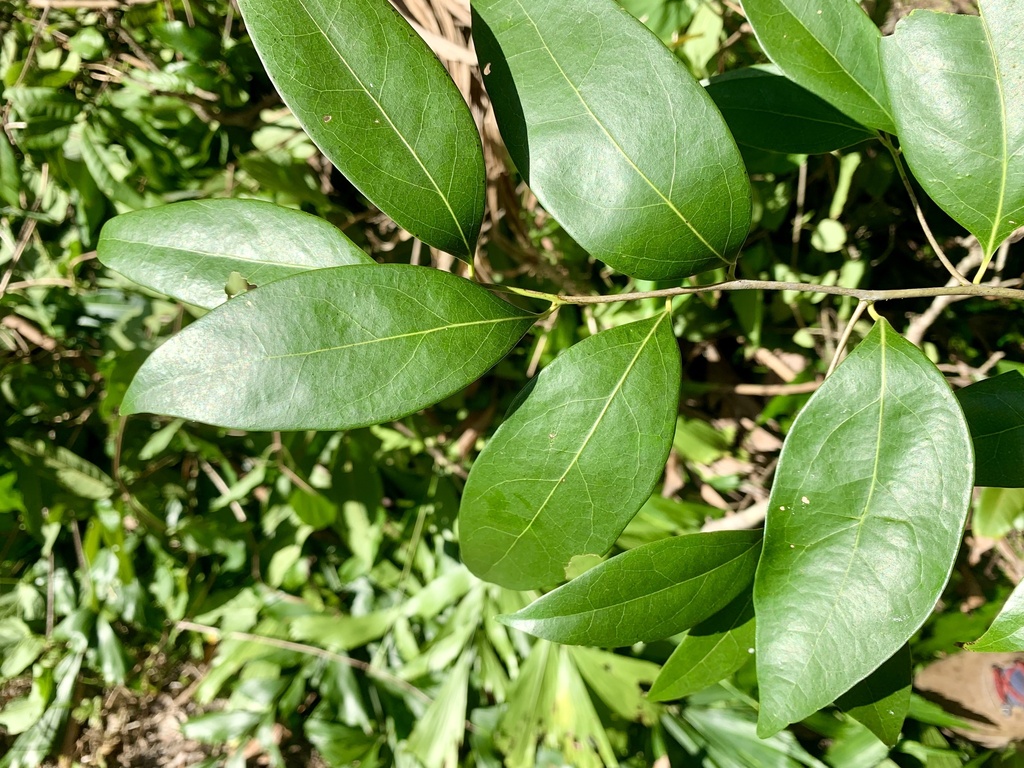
<point x="221" y="486"/>
<point x="967" y="289"/>
<point x="771" y="390"/>
<point x="897" y="159"/>
<point x="921" y="323"/>
<point x="798" y="217"/>
<point x="845" y="338"/>
<point x="27" y="228"/>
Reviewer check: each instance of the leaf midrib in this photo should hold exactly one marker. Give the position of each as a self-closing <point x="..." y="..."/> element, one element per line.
<point x="832" y="56"/>
<point x="224" y="256"/>
<point x="387" y="117"/>
<point x="586" y="441"/>
<point x="647" y="595"/>
<point x="1005" y="162"/>
<point x="612" y="140"/>
<point x="839" y="593"/>
<point x="307" y="354"/>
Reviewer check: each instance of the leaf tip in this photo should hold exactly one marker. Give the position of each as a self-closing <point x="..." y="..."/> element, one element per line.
<point x="517" y="621"/>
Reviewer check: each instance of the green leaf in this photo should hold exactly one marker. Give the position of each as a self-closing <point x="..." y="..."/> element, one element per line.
<point x="830" y="47"/>
<point x="549" y="704"/>
<point x="617" y="680"/>
<point x="864" y="523"/>
<point x="956" y="84"/>
<point x="381" y="107"/>
<point x="10" y="174"/>
<point x="881" y="701"/>
<point x="634" y="161"/>
<point x="101" y="162"/>
<point x="995" y="413"/>
<point x="71" y="471"/>
<point x="110" y="653"/>
<point x="768" y="111"/>
<point x="1007" y="631"/>
<point x="568" y="470"/>
<point x="711" y="651"/>
<point x="665" y="18"/>
<point x="440" y="730"/>
<point x="330" y="349"/>
<point x="188" y="250"/>
<point x="997" y="512"/>
<point x="648" y="593"/>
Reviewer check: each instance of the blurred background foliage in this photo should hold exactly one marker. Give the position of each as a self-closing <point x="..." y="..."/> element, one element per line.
<point x="173" y="594"/>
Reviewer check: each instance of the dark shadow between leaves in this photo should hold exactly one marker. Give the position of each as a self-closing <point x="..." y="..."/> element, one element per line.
<point x="508" y="109"/>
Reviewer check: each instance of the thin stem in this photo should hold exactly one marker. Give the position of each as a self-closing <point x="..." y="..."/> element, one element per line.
<point x="897" y="159"/>
<point x="967" y="289"/>
<point x="845" y="338"/>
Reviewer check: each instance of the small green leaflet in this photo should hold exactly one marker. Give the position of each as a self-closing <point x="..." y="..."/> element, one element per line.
<point x="864" y="523"/>
<point x="381" y="107"/>
<point x="189" y="250"/>
<point x="632" y="159"/>
<point x="330" y="349"/>
<point x="648" y="593"/>
<point x="576" y="460"/>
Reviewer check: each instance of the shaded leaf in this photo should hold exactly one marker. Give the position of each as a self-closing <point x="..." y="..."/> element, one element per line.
<point x="391" y="119"/>
<point x="994" y="409"/>
<point x="957" y="88"/>
<point x="549" y="703"/>
<point x="830" y="47"/>
<point x="71" y="471"/>
<point x="665" y="18"/>
<point x="711" y="651"/>
<point x="188" y="250"/>
<point x="648" y="593"/>
<point x="882" y="699"/>
<point x="766" y="110"/>
<point x="571" y="466"/>
<point x="633" y="160"/>
<point x="330" y="349"/>
<point x="439" y="732"/>
<point x="617" y="680"/>
<point x="1006" y="635"/>
<point x="864" y="523"/>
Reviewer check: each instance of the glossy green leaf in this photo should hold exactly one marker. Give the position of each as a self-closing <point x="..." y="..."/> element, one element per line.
<point x="568" y="470"/>
<point x="381" y="107"/>
<point x="766" y="110"/>
<point x="881" y="701"/>
<point x="330" y="349"/>
<point x="1006" y="635"/>
<point x="632" y="159"/>
<point x="830" y="47"/>
<point x="648" y="593"/>
<point x="864" y="523"/>
<point x="711" y="651"/>
<point x="957" y="88"/>
<point x="995" y="414"/>
<point x="189" y="250"/>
